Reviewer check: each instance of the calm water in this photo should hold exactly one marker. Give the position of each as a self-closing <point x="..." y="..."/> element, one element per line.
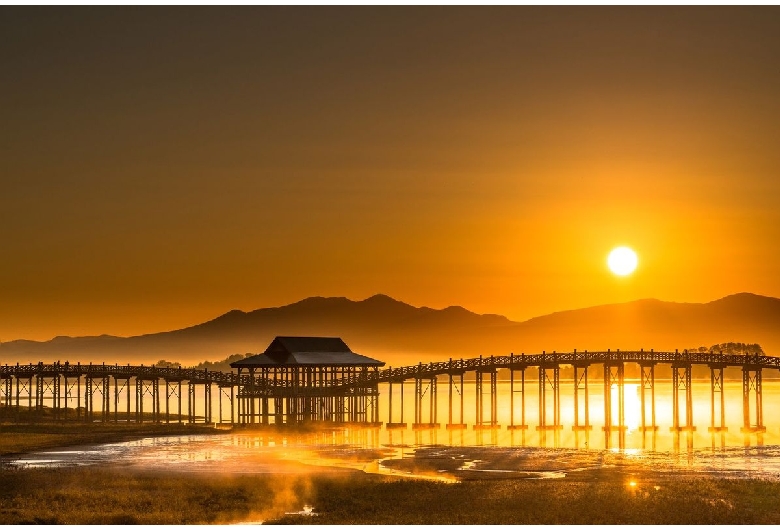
<point x="469" y="452"/>
<point x="359" y="450"/>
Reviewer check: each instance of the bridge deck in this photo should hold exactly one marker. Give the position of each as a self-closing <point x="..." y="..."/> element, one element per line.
<point x="429" y="370"/>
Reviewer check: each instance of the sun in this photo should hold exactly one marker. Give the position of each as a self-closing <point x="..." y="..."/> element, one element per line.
<point x="622" y="261"/>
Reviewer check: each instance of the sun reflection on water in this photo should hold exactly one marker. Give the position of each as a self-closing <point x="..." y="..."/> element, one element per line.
<point x="447" y="455"/>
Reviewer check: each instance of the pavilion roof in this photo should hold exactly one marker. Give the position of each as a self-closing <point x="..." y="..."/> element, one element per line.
<point x="309" y="351"/>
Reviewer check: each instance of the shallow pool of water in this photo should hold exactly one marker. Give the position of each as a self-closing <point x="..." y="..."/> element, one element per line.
<point x="361" y="451"/>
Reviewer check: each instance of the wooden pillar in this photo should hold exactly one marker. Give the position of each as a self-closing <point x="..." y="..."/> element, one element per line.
<point x="390" y="400"/>
<point x="751" y="383"/>
<point x="681" y="380"/>
<point x="581" y="384"/>
<point x="717" y="400"/>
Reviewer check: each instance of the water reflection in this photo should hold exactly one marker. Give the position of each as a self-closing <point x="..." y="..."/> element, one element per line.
<point x="458" y="452"/>
<point x="525" y="423"/>
<point x="368" y="451"/>
<point x="661" y="438"/>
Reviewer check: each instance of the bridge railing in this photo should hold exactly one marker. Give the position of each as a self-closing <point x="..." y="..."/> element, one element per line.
<point x="420" y="370"/>
<point x="521" y="361"/>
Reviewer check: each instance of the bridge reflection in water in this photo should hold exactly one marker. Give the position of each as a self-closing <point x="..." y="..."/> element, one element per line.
<point x="503" y="398"/>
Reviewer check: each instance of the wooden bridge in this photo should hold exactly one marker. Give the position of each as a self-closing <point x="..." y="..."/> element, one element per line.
<point x="351" y="394"/>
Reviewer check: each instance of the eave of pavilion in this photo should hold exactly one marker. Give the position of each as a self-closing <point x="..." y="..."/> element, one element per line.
<point x="309" y="359"/>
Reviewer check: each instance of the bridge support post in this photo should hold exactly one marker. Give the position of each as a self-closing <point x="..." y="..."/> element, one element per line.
<point x="264" y="411"/>
<point x="24" y="383"/>
<point x="139" y="402"/>
<point x="240" y="402"/>
<point x="18" y="379"/>
<point x="57" y="391"/>
<point x="478" y="398"/>
<point x="581" y="384"/>
<point x="614" y="374"/>
<point x="190" y="402"/>
<point x="375" y="403"/>
<point x="38" y="394"/>
<point x="64" y="394"/>
<point x="400" y="424"/>
<point x="106" y="398"/>
<point x="751" y="383"/>
<point x="417" y="400"/>
<point x="338" y="410"/>
<point x="681" y="380"/>
<point x="512" y="391"/>
<point x="8" y="388"/>
<point x="38" y="387"/>
<point x="419" y="393"/>
<point x="167" y="402"/>
<point x="88" y="398"/>
<point x="648" y="386"/>
<point x="126" y="388"/>
<point x="207" y="403"/>
<point x="450" y="425"/>
<point x="246" y="397"/>
<point x="223" y="393"/>
<point x="48" y="384"/>
<point x="434" y="406"/>
<point x="67" y="395"/>
<point x="116" y="399"/>
<point x="151" y="388"/>
<point x="717" y="402"/>
<point x="554" y="384"/>
<point x="390" y="400"/>
<point x="492" y="423"/>
<point x="156" y="399"/>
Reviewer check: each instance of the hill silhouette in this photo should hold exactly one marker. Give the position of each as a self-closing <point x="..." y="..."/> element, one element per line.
<point x="399" y="333"/>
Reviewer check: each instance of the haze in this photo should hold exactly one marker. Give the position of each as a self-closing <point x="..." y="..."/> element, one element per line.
<point x="159" y="167"/>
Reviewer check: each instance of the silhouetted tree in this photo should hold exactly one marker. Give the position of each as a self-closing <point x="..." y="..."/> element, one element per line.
<point x="223" y="365"/>
<point x="737" y="348"/>
<point x="162" y="363"/>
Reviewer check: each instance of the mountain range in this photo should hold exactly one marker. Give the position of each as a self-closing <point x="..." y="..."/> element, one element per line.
<point x="399" y="333"/>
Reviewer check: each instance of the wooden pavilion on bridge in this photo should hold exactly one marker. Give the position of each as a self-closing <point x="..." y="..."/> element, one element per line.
<point x="308" y="379"/>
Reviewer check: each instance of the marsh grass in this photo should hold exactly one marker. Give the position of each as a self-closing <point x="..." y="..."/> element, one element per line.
<point x="118" y="496"/>
<point x="124" y="496"/>
<point x="18" y="438"/>
<point x="602" y="501"/>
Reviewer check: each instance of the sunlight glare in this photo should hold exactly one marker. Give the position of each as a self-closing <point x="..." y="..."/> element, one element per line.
<point x="622" y="261"/>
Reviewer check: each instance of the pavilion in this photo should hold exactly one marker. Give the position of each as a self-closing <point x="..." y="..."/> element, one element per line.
<point x="308" y="379"/>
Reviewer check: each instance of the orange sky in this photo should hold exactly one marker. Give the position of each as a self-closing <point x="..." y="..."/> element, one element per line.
<point x="159" y="167"/>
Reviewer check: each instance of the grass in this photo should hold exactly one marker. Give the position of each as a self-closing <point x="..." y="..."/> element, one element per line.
<point x="25" y="431"/>
<point x="116" y="496"/>
<point x="605" y="501"/>
<point x="121" y="496"/>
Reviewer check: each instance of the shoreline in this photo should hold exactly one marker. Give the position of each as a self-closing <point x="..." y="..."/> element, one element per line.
<point x="18" y="439"/>
<point x="606" y="489"/>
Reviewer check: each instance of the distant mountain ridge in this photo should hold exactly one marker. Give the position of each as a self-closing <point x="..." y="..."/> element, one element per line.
<point x="399" y="333"/>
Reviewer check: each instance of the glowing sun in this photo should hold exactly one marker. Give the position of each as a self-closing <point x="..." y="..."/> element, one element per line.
<point x="622" y="261"/>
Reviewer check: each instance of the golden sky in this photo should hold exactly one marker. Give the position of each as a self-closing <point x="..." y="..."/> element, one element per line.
<point x="159" y="167"/>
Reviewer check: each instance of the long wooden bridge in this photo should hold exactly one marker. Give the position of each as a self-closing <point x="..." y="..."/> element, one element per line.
<point x="351" y="394"/>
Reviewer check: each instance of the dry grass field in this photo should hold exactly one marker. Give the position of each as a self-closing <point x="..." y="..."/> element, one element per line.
<point x="122" y="496"/>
